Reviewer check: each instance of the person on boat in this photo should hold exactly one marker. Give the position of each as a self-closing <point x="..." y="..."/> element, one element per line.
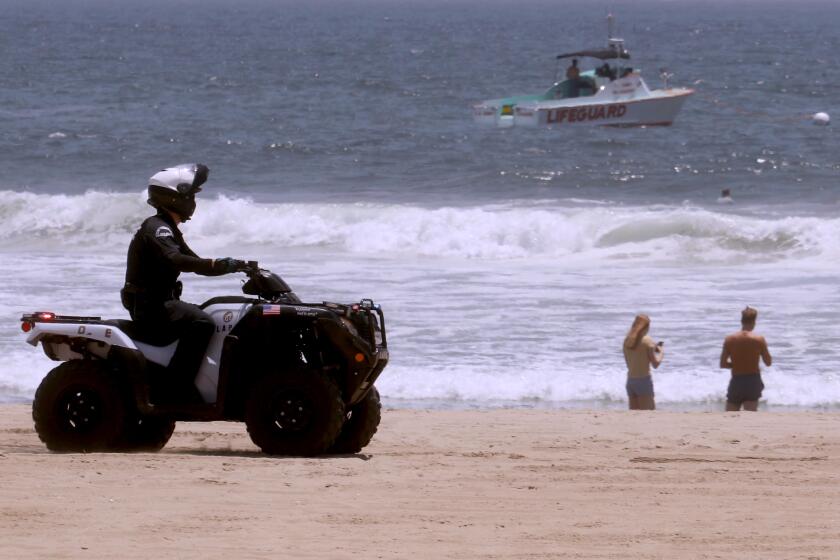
<point x="605" y="71"/>
<point x="156" y="256"/>
<point x="573" y="75"/>
<point x="640" y="352"/>
<point x="573" y="72"/>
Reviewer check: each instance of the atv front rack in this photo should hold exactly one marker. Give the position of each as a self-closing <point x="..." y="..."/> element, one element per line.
<point x="366" y="312"/>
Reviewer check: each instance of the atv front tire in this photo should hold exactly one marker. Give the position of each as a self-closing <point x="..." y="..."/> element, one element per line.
<point x="79" y="407"/>
<point x="294" y="413"/>
<point x="146" y="434"/>
<point x="361" y="423"/>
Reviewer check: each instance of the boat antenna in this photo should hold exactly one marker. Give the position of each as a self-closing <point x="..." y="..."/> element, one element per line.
<point x="609" y="26"/>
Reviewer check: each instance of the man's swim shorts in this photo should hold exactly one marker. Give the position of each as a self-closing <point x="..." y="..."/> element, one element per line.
<point x="744" y="388"/>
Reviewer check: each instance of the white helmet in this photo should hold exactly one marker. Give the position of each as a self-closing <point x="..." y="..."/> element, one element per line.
<point x="174" y="188"/>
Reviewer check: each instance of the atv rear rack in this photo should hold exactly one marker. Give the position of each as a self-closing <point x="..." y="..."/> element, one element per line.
<point x="50" y="317"/>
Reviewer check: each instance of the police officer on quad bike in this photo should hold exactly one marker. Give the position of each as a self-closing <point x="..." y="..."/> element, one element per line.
<point x="156" y="256"/>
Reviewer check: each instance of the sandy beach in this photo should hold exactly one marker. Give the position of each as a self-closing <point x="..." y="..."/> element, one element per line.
<point x="442" y="484"/>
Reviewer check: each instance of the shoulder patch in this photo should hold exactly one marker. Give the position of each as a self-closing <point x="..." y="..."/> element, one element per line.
<point x="163" y="231"/>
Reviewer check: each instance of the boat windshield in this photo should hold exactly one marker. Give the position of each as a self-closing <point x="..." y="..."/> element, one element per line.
<point x="572" y="81"/>
<point x="583" y="86"/>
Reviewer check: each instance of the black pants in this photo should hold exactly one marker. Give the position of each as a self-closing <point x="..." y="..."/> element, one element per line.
<point x="185" y="321"/>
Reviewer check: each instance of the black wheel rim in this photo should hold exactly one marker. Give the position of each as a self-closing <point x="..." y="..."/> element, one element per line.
<point x="81" y="410"/>
<point x="292" y="412"/>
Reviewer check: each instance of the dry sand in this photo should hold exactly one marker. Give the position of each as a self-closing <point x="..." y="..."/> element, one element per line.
<point x="432" y="484"/>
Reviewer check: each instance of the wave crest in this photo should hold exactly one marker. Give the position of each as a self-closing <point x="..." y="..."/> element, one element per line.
<point x="502" y="231"/>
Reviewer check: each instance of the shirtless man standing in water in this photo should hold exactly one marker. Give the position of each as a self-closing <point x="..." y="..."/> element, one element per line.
<point x="741" y="351"/>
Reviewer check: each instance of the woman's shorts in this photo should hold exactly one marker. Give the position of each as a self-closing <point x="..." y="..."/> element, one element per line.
<point x="744" y="388"/>
<point x="640" y="386"/>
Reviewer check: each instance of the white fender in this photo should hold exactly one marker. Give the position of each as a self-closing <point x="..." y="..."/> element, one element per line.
<point x="225" y="316"/>
<point x="99" y="339"/>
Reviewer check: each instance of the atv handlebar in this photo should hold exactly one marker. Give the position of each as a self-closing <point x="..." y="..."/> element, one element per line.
<point x="264" y="283"/>
<point x="248" y="267"/>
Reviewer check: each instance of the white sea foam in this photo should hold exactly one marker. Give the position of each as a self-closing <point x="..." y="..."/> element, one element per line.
<point x="550" y="385"/>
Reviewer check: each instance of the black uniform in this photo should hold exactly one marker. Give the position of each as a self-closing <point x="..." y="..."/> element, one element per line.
<point x="156" y="256"/>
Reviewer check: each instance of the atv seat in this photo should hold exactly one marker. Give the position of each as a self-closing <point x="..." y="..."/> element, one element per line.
<point x="162" y="336"/>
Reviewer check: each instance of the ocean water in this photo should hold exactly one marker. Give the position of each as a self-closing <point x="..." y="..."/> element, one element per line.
<point x="510" y="263"/>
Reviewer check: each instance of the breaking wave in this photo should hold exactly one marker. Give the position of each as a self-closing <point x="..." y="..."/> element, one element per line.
<point x="501" y="231"/>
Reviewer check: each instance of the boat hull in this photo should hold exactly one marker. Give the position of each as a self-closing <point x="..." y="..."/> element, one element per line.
<point x="657" y="110"/>
<point x="623" y="102"/>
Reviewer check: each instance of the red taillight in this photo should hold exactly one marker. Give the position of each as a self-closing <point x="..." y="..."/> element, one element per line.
<point x="26" y="326"/>
<point x="45" y="316"/>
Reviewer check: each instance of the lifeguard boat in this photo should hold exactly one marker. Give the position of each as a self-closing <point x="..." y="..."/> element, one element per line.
<point x="612" y="94"/>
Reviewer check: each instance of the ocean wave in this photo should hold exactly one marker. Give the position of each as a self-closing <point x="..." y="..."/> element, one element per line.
<point x="546" y="384"/>
<point x="502" y="231"/>
<point x="541" y="385"/>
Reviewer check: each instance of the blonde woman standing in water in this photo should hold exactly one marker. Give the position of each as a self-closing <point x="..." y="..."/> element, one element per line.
<point x="640" y="352"/>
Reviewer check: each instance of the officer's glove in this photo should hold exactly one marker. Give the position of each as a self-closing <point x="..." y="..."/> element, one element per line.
<point x="228" y="265"/>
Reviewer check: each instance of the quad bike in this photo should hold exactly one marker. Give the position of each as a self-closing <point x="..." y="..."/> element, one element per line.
<point x="300" y="375"/>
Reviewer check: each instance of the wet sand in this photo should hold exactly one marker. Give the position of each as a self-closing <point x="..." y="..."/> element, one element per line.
<point x="442" y="484"/>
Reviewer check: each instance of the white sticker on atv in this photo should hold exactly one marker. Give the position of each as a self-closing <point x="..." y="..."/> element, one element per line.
<point x="163" y="231"/>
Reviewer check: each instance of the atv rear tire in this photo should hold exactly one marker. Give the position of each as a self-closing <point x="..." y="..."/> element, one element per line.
<point x="79" y="407"/>
<point x="361" y="423"/>
<point x="146" y="434"/>
<point x="295" y="413"/>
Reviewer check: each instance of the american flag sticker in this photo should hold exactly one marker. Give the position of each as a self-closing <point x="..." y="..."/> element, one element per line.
<point x="271" y="309"/>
